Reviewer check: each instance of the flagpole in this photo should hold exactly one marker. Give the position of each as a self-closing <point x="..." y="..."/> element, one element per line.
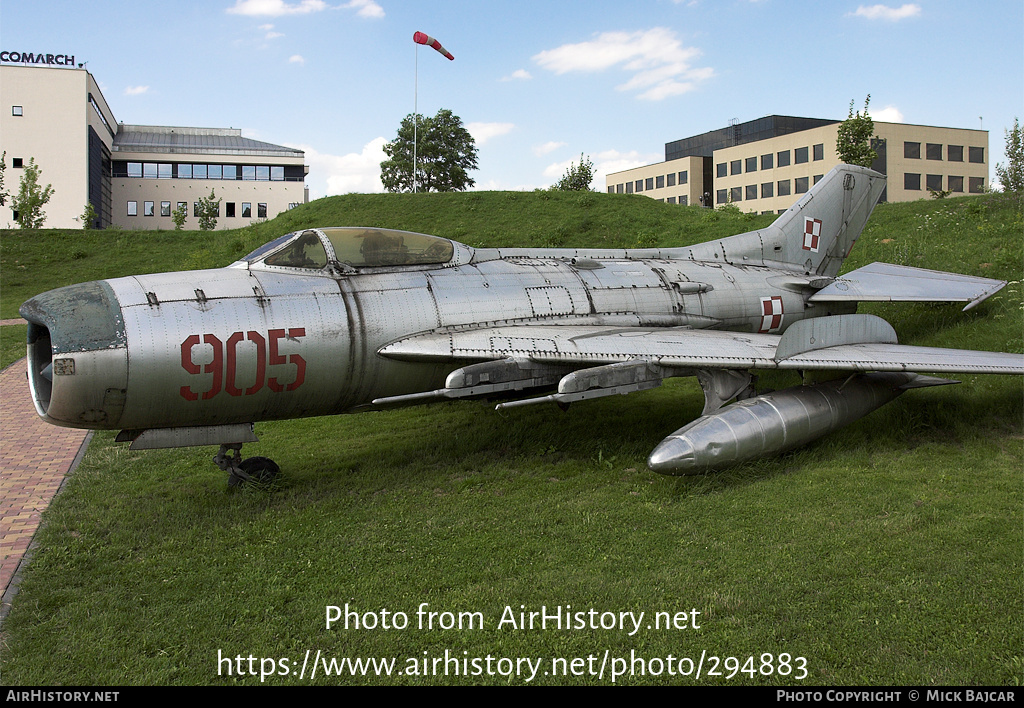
<point x="415" y="113"/>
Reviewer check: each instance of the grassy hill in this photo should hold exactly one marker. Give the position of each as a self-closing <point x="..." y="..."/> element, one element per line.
<point x="888" y="553"/>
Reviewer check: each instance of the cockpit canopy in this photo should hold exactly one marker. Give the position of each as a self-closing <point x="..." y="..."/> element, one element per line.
<point x="356" y="247"/>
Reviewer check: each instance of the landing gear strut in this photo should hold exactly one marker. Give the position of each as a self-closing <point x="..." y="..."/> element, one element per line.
<point x="259" y="469"/>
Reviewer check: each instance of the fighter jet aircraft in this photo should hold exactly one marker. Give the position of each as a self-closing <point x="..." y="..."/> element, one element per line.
<point x="337" y="320"/>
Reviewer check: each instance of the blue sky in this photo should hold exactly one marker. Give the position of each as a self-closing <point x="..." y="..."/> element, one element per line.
<point x="537" y="83"/>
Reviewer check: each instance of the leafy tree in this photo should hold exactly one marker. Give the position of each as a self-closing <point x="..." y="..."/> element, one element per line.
<point x="179" y="215"/>
<point x="209" y="210"/>
<point x="1011" y="175"/>
<point x="445" y="153"/>
<point x="31" y="198"/>
<point x="854" y="141"/>
<point x="88" y="217"/>
<point x="577" y="178"/>
<point x="3" y="168"/>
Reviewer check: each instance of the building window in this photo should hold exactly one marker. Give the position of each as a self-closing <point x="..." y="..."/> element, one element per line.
<point x="149" y="208"/>
<point x="976" y="155"/>
<point x="184" y="171"/>
<point x="684" y="177"/>
<point x="751" y="192"/>
<point x="229" y="209"/>
<point x="800" y="156"/>
<point x="17" y="111"/>
<point x="135" y="169"/>
<point x="736" y="194"/>
<point x="767" y="190"/>
<point x="17" y="162"/>
<point x="277" y="174"/>
<point x="618" y="189"/>
<point x="783" y="160"/>
<point x="751" y="165"/>
<point x="933" y="182"/>
<point x="183" y="207"/>
<point x="198" y="171"/>
<point x="684" y="200"/>
<point x="721" y="196"/>
<point x="639" y="185"/>
<point x="736" y="167"/>
<point x="262" y="173"/>
<point x="912" y="151"/>
<point x="649" y="183"/>
<point x="721" y="170"/>
<point x="671" y="200"/>
<point x="149" y="170"/>
<point x="629" y="187"/>
<point x="195" y="209"/>
<point x="165" y="208"/>
<point x="819" y="151"/>
<point x="292" y="205"/>
<point x="976" y="184"/>
<point x="911" y="181"/>
<point x="933" y="151"/>
<point x="784" y="188"/>
<point x="767" y="161"/>
<point x="659" y="182"/>
<point x="670" y="179"/>
<point x="248" y="173"/>
<point x="611" y="189"/>
<point x="801" y="185"/>
<point x="261" y="210"/>
<point x="133" y="208"/>
<point x="230" y="172"/>
<point x="246" y="210"/>
<point x="817" y="178"/>
<point x="956" y="184"/>
<point x="214" y="171"/>
<point x="163" y="170"/>
<point x="955" y="153"/>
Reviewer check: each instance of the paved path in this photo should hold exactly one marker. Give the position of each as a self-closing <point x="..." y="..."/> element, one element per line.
<point x="34" y="458"/>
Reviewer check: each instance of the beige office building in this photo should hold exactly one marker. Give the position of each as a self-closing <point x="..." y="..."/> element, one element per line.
<point x="133" y="176"/>
<point x="764" y="166"/>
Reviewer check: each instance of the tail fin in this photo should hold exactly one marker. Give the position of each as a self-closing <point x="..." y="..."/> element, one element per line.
<point x="815" y="234"/>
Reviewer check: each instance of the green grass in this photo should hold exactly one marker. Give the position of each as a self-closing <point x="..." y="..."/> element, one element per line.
<point x="888" y="553"/>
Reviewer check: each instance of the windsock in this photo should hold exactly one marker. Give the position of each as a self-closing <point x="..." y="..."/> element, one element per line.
<point x="421" y="38"/>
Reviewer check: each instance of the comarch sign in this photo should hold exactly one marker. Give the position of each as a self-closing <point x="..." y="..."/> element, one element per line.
<point x="30" y="58"/>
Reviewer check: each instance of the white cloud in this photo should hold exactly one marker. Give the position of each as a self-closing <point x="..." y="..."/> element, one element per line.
<point x="273" y="35"/>
<point x="518" y="74"/>
<point x="135" y="90"/>
<point x="266" y="28"/>
<point x="889" y="114"/>
<point x="296" y="59"/>
<point x="659" y="63"/>
<point x="275" y="8"/>
<point x="551" y="146"/>
<point x="354" y="172"/>
<point x="891" y="14"/>
<point x="365" y="8"/>
<point x="482" y="132"/>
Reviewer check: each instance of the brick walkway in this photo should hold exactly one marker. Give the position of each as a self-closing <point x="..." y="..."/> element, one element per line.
<point x="34" y="458"/>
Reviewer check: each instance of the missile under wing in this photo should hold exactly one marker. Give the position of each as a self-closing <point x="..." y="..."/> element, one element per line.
<point x="336" y="320"/>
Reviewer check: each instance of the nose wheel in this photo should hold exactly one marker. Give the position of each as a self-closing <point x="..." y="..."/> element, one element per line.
<point x="261" y="470"/>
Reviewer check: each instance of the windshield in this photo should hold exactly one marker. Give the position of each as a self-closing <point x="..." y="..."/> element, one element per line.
<point x="306" y="251"/>
<point x="363" y="247"/>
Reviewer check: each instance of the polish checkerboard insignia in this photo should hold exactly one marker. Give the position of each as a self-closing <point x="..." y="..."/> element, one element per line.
<point x="771" y="313"/>
<point x="812" y="232"/>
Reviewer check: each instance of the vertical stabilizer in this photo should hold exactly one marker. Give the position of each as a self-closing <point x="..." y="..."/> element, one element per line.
<point x="812" y="236"/>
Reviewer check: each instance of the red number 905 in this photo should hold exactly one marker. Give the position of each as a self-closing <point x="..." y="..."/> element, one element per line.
<point x="225" y="357"/>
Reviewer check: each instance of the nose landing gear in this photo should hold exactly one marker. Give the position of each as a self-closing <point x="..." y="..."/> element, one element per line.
<point x="261" y="470"/>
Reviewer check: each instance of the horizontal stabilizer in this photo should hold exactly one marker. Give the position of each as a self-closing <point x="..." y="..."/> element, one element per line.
<point x="885" y="282"/>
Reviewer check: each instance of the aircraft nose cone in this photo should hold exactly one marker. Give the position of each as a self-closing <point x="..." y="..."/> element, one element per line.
<point x="672" y="456"/>
<point x="77" y="356"/>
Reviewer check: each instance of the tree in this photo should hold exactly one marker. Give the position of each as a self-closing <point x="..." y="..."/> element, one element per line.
<point x="88" y="217"/>
<point x="3" y="168"/>
<point x="1011" y="175"/>
<point x="209" y="210"/>
<point x="179" y="215"/>
<point x="31" y="198"/>
<point x="445" y="152"/>
<point x="854" y="140"/>
<point x="577" y="178"/>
